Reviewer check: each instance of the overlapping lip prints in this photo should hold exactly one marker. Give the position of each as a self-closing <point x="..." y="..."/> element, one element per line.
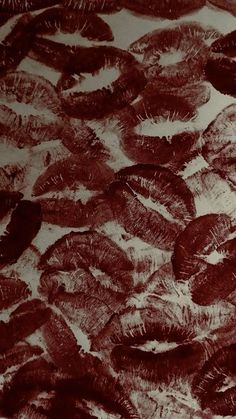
<point x="15" y="45"/>
<point x="117" y="284"/>
<point x="164" y="8"/>
<point x="81" y="250"/>
<point x="209" y="382"/>
<point x="56" y="19"/>
<point x="219" y="141"/>
<point x="202" y="255"/>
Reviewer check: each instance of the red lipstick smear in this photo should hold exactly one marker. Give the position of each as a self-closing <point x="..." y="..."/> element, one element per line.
<point x="71" y="21"/>
<point x="169" y="9"/>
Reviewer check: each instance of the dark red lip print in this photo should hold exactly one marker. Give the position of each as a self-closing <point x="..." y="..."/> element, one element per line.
<point x="201" y="237"/>
<point x="79" y="59"/>
<point x="39" y="95"/>
<point x="194" y="94"/>
<point x="138" y="326"/>
<point x="97" y="6"/>
<point x="90" y="25"/>
<point x="198" y="256"/>
<point x="16" y="7"/>
<point x="169" y="9"/>
<point x="192" y="29"/>
<point x="81" y="298"/>
<point x="82" y="250"/>
<point x="81" y="139"/>
<point x="129" y="211"/>
<point x="160" y="367"/>
<point x="8" y="200"/>
<point x="71" y="170"/>
<point x="161" y="185"/>
<point x="173" y="151"/>
<point x="100" y="102"/>
<point x="23" y="227"/>
<point x="219" y="148"/>
<point x="208" y="382"/>
<point x="189" y="66"/>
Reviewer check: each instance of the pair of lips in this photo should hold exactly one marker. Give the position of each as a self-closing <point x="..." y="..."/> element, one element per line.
<point x="208" y="382"/>
<point x="204" y="253"/>
<point x="75" y="60"/>
<point x="82" y="298"/>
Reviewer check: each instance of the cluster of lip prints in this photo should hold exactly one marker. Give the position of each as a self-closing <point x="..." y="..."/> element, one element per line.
<point x="158" y="322"/>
